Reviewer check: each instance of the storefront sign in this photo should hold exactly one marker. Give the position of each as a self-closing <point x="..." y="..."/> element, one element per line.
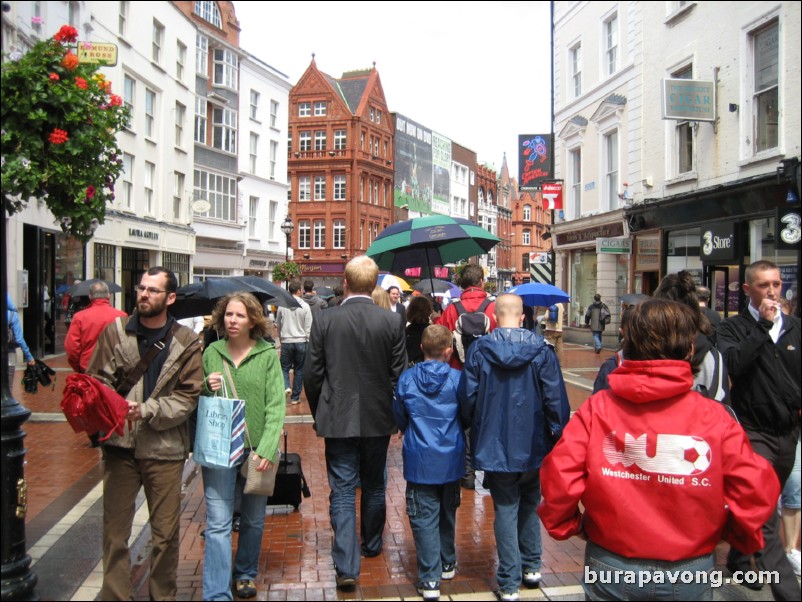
<point x="647" y="254"/>
<point x="92" y="52"/>
<point x="322" y="268"/>
<point x="789" y="228"/>
<point x="591" y="234"/>
<point x="618" y="245"/>
<point x="143" y="234"/>
<point x="257" y="263"/>
<point x="689" y="100"/>
<point x="717" y="242"/>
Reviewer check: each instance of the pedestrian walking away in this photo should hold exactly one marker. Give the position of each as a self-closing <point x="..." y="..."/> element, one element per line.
<point x="87" y="325"/>
<point x="597" y="316"/>
<point x="427" y="412"/>
<point x="356" y="354"/>
<point x="155" y="443"/>
<point x="662" y="473"/>
<point x="249" y="365"/>
<point x="294" y="325"/>
<point x="513" y="397"/>
<point x="761" y="346"/>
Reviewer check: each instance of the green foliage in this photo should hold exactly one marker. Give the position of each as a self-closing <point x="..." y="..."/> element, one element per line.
<point x="490" y="287"/>
<point x="59" y="127"/>
<point x="287" y="270"/>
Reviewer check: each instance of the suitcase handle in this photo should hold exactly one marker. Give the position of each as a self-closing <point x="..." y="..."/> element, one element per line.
<point x="284" y="461"/>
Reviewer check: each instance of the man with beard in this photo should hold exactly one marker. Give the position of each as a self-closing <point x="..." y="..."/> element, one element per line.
<point x="155" y="443"/>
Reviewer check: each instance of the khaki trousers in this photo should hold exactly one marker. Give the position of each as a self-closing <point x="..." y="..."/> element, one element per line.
<point x="555" y="337"/>
<point x="123" y="475"/>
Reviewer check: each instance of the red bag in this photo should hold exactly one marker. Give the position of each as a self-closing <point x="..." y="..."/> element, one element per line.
<point x="91" y="406"/>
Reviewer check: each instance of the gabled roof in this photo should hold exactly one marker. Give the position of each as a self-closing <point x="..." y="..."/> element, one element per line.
<point x="610" y="105"/>
<point x="575" y="125"/>
<point x="352" y="89"/>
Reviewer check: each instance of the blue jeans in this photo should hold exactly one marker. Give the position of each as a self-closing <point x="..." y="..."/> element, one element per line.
<point x="292" y="357"/>
<point x="348" y="461"/>
<point x="516" y="496"/>
<point x="219" y="485"/>
<point x="603" y="579"/>
<point x="597" y="341"/>
<point x="432" y="512"/>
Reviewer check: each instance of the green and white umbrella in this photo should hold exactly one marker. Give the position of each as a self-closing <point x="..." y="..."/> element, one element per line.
<point x="432" y="240"/>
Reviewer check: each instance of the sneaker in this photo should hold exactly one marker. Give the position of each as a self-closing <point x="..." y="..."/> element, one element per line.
<point x="287" y="392"/>
<point x="345" y="582"/>
<point x="430" y="590"/>
<point x="733" y="568"/>
<point x="532" y="578"/>
<point x="449" y="570"/>
<point x="794" y="558"/>
<point x="246" y="588"/>
<point x="506" y="595"/>
<point x="295" y="402"/>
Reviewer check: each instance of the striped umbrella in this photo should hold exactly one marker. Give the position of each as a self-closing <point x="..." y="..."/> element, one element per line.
<point x="432" y="240"/>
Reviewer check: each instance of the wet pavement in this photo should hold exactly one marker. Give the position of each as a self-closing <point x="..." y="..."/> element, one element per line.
<point x="63" y="525"/>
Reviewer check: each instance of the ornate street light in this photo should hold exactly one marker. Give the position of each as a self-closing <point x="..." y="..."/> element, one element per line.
<point x="287" y="227"/>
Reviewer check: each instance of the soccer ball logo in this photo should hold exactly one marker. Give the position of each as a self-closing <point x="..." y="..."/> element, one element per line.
<point x="697" y="456"/>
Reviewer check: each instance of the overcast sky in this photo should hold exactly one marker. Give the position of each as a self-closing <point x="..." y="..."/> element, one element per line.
<point x="475" y="72"/>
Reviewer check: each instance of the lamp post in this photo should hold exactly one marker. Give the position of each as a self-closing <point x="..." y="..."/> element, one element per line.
<point x="287" y="227"/>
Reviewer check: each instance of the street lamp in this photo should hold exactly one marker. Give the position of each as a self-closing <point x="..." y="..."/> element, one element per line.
<point x="287" y="227"/>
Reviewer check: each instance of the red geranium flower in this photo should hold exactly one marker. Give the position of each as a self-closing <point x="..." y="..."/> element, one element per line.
<point x="116" y="101"/>
<point x="81" y="83"/>
<point x="70" y="61"/>
<point x="58" y="136"/>
<point x="67" y="33"/>
<point x="90" y="192"/>
<point x="54" y="77"/>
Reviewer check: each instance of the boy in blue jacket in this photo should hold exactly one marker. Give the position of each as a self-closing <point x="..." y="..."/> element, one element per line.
<point x="427" y="412"/>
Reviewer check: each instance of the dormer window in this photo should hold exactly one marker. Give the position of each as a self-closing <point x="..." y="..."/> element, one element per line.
<point x="208" y="11"/>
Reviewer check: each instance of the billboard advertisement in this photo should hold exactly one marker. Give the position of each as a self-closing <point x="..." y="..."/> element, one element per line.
<point x="413" y="166"/>
<point x="535" y="160"/>
<point x="441" y="161"/>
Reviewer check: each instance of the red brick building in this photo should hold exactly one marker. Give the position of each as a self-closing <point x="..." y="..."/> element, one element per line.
<point x="529" y="222"/>
<point x="340" y="169"/>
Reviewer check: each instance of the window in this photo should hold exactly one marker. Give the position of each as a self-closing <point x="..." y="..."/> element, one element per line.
<point x="372" y="114"/>
<point x="611" y="44"/>
<point x="320" y="109"/>
<point x="576" y="69"/>
<point x="224" y="129"/>
<point x="254" y="146"/>
<point x="339" y="139"/>
<point x="104" y="261"/>
<point x="273" y="155"/>
<point x="200" y="120"/>
<point x="303" y="234"/>
<point x="225" y="68"/>
<point x="576" y="181"/>
<point x="526" y="238"/>
<point x="180" y="117"/>
<point x="271" y="220"/>
<point x="320" y="234"/>
<point x="122" y="20"/>
<point x="209" y="12"/>
<point x="180" y="60"/>
<point x="304" y="188"/>
<point x="527" y="213"/>
<point x="150" y="107"/>
<point x="378" y="117"/>
<point x="683" y="133"/>
<point x="220" y="191"/>
<point x="129" y="93"/>
<point x="150" y="178"/>
<point x="178" y="193"/>
<point x="320" y="188"/>
<point x="766" y="99"/>
<point x="305" y="141"/>
<point x="339" y="188"/>
<point x="611" y="163"/>
<point x="158" y="41"/>
<point x="338" y="227"/>
<point x="273" y="113"/>
<point x="320" y="141"/>
<point x="127" y="196"/>
<point x="253" y="209"/>
<point x="254" y="105"/>
<point x="304" y="109"/>
<point x="202" y="55"/>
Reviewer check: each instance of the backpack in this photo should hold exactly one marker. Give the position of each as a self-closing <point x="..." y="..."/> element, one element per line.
<point x="554" y="313"/>
<point x="470" y="326"/>
<point x="604" y="314"/>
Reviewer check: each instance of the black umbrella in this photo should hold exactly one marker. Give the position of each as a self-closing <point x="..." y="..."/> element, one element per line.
<point x="634" y="298"/>
<point x="440" y="287"/>
<point x="324" y="292"/>
<point x="82" y="288"/>
<point x="200" y="298"/>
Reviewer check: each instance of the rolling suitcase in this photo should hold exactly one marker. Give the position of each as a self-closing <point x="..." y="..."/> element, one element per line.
<point x="290" y="481"/>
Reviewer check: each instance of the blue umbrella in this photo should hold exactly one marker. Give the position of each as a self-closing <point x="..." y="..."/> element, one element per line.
<point x="539" y="294"/>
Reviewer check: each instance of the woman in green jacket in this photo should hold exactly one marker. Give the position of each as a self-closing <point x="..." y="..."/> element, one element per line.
<point x="254" y="368"/>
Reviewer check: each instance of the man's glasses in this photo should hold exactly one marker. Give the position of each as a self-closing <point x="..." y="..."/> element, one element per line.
<point x="151" y="290"/>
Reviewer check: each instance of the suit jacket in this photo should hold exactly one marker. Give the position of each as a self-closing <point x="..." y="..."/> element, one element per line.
<point x="401" y="311"/>
<point x="356" y="353"/>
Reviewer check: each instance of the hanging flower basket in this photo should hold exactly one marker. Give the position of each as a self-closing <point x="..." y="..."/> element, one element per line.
<point x="287" y="270"/>
<point x="60" y="121"/>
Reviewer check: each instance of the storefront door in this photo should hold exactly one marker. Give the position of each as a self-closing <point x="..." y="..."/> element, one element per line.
<point x="724" y="284"/>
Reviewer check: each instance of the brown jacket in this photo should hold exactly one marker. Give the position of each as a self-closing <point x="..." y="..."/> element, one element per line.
<point x="162" y="433"/>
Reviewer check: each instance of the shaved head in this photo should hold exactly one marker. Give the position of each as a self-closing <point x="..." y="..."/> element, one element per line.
<point x="509" y="310"/>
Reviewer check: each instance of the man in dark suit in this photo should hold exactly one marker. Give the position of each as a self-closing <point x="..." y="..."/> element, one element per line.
<point x="356" y="353"/>
<point x="395" y="302"/>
